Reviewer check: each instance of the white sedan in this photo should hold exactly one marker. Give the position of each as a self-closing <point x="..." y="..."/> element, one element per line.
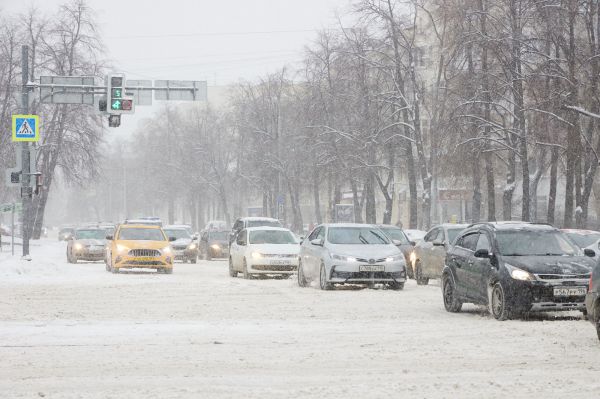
<point x="263" y="250"/>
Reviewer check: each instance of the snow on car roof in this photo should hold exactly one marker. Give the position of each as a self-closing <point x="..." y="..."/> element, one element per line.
<point x="267" y="228"/>
<point x="140" y="226"/>
<point x="258" y="218"/>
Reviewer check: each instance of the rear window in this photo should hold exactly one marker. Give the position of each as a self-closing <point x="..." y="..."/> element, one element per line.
<point x="584" y="239"/>
<point x="271" y="237"/>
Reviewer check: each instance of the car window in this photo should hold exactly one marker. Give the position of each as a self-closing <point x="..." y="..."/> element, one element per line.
<point x="469" y="241"/>
<point x="452" y="233"/>
<point x="238" y="225"/>
<point x="315" y="233"/>
<point x="321" y="234"/>
<point x="241" y="238"/>
<point x="483" y="243"/>
<point x="265" y="223"/>
<point x="90" y="234"/>
<point x="432" y="235"/>
<point x="396" y="234"/>
<point x="535" y="243"/>
<point x="177" y="233"/>
<point x="271" y="237"/>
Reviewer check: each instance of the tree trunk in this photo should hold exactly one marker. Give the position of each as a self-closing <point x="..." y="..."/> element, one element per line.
<point x="553" y="181"/>
<point x="509" y="189"/>
<point x="316" y="196"/>
<point x="476" y="207"/>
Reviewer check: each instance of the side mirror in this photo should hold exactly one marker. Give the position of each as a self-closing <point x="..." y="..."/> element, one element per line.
<point x="438" y="243"/>
<point x="194" y="237"/>
<point x="70" y="237"/>
<point x="482" y="253"/>
<point x="589" y="252"/>
<point x="397" y="242"/>
<point x="317" y="241"/>
<point x="172" y="239"/>
<point x="109" y="238"/>
<point x="413" y="243"/>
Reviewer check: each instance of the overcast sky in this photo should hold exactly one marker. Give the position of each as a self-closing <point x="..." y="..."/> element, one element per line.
<point x="221" y="41"/>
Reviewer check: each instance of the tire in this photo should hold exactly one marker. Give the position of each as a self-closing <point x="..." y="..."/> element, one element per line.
<point x="396" y="286"/>
<point x="245" y="271"/>
<point x="232" y="272"/>
<point x="168" y="270"/>
<point x="498" y="305"/>
<point x="419" y="275"/>
<point x="208" y="254"/>
<point x="598" y="329"/>
<point x="193" y="261"/>
<point x="451" y="302"/>
<point x="114" y="270"/>
<point x="301" y="278"/>
<point x="325" y="286"/>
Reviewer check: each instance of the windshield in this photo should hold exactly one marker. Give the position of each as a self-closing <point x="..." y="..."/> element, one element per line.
<point x="141" y="234"/>
<point x="66" y="231"/>
<point x="535" y="243"/>
<point x="396" y="234"/>
<point x="452" y="233"/>
<point x="218" y="235"/>
<point x="584" y="239"/>
<point x="271" y="237"/>
<point x="177" y="233"/>
<point x="357" y="235"/>
<point x="90" y="234"/>
<point x="265" y="223"/>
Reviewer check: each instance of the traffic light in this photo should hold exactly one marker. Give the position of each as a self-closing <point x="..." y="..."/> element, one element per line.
<point x="118" y="102"/>
<point x="114" y="120"/>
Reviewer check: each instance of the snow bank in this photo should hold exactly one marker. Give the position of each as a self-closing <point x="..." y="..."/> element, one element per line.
<point x="48" y="258"/>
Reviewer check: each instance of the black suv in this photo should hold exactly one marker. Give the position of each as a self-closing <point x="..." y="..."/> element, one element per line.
<point x="592" y="300"/>
<point x="515" y="268"/>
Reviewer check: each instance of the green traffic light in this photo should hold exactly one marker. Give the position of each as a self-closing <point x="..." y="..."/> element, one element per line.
<point x="117" y="93"/>
<point x="116" y="104"/>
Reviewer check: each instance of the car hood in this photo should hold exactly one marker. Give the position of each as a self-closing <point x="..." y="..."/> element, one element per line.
<point x="552" y="264"/>
<point x="222" y="243"/>
<point x="142" y="244"/>
<point x="90" y="241"/>
<point x="182" y="241"/>
<point x="365" y="251"/>
<point x="276" y="249"/>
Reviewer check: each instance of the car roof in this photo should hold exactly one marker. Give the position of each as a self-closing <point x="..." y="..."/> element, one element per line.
<point x="267" y="228"/>
<point x="516" y="225"/>
<point x="176" y="227"/>
<point x="579" y="231"/>
<point x="388" y="226"/>
<point x="451" y="225"/>
<point x="140" y="226"/>
<point x="258" y="218"/>
<point x="349" y="225"/>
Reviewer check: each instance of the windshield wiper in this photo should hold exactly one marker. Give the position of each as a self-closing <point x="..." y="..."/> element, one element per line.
<point x="378" y="236"/>
<point x="514" y="255"/>
<point x="362" y="239"/>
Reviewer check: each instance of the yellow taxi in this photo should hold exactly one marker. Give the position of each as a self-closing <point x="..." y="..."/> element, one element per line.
<point x="139" y="246"/>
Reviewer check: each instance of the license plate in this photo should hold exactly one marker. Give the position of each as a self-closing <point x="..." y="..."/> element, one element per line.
<point x="371" y="268"/>
<point x="570" y="291"/>
<point x="281" y="262"/>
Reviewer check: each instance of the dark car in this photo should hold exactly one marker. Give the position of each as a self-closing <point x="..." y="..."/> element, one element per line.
<point x="245" y="222"/>
<point x="396" y="234"/>
<point x="65" y="233"/>
<point x="214" y="244"/>
<point x="592" y="299"/>
<point x="86" y="243"/>
<point x="515" y="268"/>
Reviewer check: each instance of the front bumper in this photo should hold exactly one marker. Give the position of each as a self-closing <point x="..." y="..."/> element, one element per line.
<point x="89" y="255"/>
<point x="393" y="272"/>
<point x="155" y="262"/>
<point x="183" y="254"/>
<point x="538" y="296"/>
<point x="273" y="266"/>
<point x="220" y="252"/>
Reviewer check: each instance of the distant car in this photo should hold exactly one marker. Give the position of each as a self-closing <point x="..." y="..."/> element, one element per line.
<point x="585" y="239"/>
<point x="592" y="300"/>
<point x="414" y="235"/>
<point x="396" y="234"/>
<point x="65" y="233"/>
<point x="516" y="268"/>
<point x="214" y="244"/>
<point x="350" y="253"/>
<point x="86" y="244"/>
<point x="185" y="246"/>
<point x="216" y="225"/>
<point x="263" y="250"/>
<point x="427" y="259"/>
<point x="140" y="246"/>
<point x="246" y="222"/>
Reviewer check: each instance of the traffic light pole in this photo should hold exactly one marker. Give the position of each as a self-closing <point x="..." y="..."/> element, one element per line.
<point x="25" y="163"/>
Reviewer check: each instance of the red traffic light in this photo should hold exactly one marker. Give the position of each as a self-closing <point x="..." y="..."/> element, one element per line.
<point x="127" y="105"/>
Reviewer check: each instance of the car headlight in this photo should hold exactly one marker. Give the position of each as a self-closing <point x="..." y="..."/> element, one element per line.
<point x="215" y="246"/>
<point x="257" y="255"/>
<point x="192" y="246"/>
<point x="413" y="257"/>
<point x="122" y="248"/>
<point x="519" y="274"/>
<point x="343" y="258"/>
<point x="166" y="250"/>
<point x="78" y="246"/>
<point x="397" y="258"/>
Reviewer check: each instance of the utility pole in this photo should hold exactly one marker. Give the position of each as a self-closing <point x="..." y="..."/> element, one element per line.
<point x="25" y="172"/>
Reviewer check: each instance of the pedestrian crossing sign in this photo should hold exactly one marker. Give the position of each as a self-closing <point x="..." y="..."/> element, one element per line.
<point x="25" y="128"/>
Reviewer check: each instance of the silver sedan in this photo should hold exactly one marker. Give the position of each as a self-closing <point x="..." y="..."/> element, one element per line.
<point x="350" y="253"/>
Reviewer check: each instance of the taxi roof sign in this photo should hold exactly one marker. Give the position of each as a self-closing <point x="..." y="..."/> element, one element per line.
<point x="25" y="128"/>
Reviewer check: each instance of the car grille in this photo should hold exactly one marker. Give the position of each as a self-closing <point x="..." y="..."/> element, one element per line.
<point x="179" y="247"/>
<point x="563" y="276"/>
<point x="279" y="256"/>
<point x="275" y="268"/>
<point x="371" y="261"/>
<point x="144" y="252"/>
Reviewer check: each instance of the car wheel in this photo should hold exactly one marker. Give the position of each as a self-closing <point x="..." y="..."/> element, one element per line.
<point x="396" y="286"/>
<point x="193" y="260"/>
<point x="451" y="302"/>
<point x="232" y="272"/>
<point x="419" y="275"/>
<point x="114" y="270"/>
<point x="498" y="305"/>
<point x="301" y="278"/>
<point x="168" y="270"/>
<point x="245" y="270"/>
<point x="598" y="329"/>
<point x="323" y="279"/>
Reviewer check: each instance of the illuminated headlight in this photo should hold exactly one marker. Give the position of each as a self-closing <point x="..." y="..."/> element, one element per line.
<point x="217" y="247"/>
<point x="343" y="258"/>
<point x="413" y="257"/>
<point x="519" y="274"/>
<point x="78" y="246"/>
<point x="257" y="255"/>
<point x="122" y="248"/>
<point x="192" y="246"/>
<point x="166" y="250"/>
<point x="397" y="258"/>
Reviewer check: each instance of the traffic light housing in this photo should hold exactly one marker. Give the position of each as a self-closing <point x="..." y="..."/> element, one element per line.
<point x="117" y="102"/>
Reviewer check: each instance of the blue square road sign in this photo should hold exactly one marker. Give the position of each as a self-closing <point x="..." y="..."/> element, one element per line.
<point x="25" y="128"/>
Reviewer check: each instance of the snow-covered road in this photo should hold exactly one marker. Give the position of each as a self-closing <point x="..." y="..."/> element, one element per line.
<point x="76" y="331"/>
